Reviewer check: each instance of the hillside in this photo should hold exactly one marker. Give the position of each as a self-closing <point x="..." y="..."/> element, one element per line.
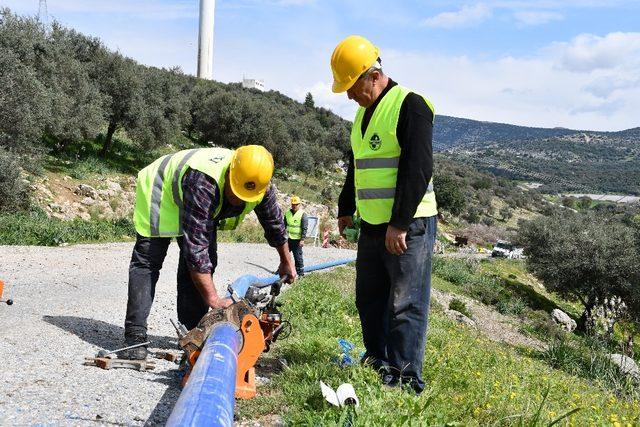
<point x="452" y="132"/>
<point x="581" y="162"/>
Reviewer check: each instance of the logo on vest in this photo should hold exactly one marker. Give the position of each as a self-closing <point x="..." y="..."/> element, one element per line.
<point x="375" y="142"/>
<point x="250" y="185"/>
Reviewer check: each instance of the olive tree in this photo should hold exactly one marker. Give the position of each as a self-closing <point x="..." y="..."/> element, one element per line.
<point x="583" y="257"/>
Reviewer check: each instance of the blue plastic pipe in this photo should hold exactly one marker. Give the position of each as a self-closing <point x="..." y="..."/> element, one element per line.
<point x="208" y="397"/>
<point x="242" y="283"/>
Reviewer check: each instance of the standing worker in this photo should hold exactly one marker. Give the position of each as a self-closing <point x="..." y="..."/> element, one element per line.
<point x="190" y="195"/>
<point x="296" y="221"/>
<point x="389" y="183"/>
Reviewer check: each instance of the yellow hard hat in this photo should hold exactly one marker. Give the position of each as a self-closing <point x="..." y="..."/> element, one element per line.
<point x="352" y="57"/>
<point x="295" y="200"/>
<point x="250" y="172"/>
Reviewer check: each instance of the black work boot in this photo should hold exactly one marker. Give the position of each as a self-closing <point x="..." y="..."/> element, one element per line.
<point x="138" y="353"/>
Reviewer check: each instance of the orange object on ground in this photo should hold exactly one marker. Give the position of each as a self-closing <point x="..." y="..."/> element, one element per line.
<point x="252" y="348"/>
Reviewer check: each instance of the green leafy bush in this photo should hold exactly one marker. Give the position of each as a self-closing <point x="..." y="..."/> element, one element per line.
<point x="14" y="192"/>
<point x="459" y="306"/>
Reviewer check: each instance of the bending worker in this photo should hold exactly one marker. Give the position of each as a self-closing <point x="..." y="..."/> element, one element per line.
<point x="389" y="182"/>
<point x="190" y="195"/>
<point x="296" y="221"/>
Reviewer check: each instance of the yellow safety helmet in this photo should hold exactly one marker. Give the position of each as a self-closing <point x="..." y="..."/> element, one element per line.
<point x="352" y="57"/>
<point x="250" y="172"/>
<point x="295" y="200"/>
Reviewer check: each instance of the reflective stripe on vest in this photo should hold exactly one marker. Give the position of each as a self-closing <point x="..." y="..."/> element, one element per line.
<point x="376" y="159"/>
<point x="159" y="207"/>
<point x="294" y="224"/>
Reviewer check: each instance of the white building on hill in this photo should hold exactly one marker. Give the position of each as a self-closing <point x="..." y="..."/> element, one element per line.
<point x="253" y="84"/>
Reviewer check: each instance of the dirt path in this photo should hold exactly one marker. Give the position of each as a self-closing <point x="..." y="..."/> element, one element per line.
<point x="69" y="303"/>
<point x="491" y="323"/>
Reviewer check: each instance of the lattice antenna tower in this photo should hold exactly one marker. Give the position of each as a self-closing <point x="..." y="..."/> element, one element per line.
<point x="43" y="14"/>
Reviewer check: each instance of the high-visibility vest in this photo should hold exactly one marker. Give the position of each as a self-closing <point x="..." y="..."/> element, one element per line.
<point x="159" y="209"/>
<point x="376" y="156"/>
<point x="294" y="224"/>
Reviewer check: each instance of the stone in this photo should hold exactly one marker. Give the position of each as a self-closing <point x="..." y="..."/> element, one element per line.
<point x="461" y="318"/>
<point x="88" y="201"/>
<point x="626" y="365"/>
<point x="55" y="207"/>
<point x="114" y="186"/>
<point x="86" y="190"/>
<point x="563" y="319"/>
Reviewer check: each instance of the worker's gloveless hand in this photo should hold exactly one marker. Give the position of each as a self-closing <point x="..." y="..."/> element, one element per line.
<point x="301" y="243"/>
<point x="344" y="222"/>
<point x="220" y="303"/>
<point x="395" y="240"/>
<point x="287" y="268"/>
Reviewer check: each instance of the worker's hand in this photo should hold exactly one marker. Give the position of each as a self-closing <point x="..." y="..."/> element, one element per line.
<point x="218" y="302"/>
<point x="288" y="268"/>
<point x="344" y="222"/>
<point x="395" y="240"/>
<point x="301" y="243"/>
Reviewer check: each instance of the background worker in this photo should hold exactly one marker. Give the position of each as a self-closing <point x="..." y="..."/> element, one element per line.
<point x="296" y="222"/>
<point x="389" y="182"/>
<point x="190" y="195"/>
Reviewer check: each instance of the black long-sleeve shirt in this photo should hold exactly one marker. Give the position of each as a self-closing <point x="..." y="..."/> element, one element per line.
<point x="415" y="167"/>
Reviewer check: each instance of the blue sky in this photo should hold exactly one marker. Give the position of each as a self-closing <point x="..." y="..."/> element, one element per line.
<point x="571" y="63"/>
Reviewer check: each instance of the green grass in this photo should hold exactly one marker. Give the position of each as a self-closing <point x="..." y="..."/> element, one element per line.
<point x="83" y="160"/>
<point x="247" y="232"/>
<point x="307" y="186"/>
<point x="470" y="380"/>
<point x="35" y="228"/>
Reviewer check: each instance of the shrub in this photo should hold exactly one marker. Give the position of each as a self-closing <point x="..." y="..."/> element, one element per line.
<point x="14" y="192"/>
<point x="514" y="306"/>
<point x="460" y="306"/>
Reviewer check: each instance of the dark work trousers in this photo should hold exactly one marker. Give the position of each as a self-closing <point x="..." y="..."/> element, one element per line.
<point x="392" y="297"/>
<point x="294" y="246"/>
<point x="144" y="270"/>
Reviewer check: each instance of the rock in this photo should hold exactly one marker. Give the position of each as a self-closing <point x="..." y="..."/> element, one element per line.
<point x="262" y="380"/>
<point x="563" y="319"/>
<point x="461" y="318"/>
<point x="88" y="201"/>
<point x="626" y="364"/>
<point x="55" y="207"/>
<point x="114" y="186"/>
<point x="85" y="216"/>
<point x="86" y="190"/>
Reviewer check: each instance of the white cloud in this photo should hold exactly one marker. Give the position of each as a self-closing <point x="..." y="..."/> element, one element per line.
<point x="604" y="87"/>
<point x="530" y="18"/>
<point x="588" y="52"/>
<point x="467" y="16"/>
<point x="530" y="90"/>
<point x="324" y="97"/>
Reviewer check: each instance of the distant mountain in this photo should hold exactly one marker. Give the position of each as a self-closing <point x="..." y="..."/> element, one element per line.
<point x="595" y="162"/>
<point x="453" y="131"/>
<point x="561" y="159"/>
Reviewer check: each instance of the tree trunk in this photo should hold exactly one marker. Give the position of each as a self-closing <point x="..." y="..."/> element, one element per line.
<point x="583" y="323"/>
<point x="107" y="141"/>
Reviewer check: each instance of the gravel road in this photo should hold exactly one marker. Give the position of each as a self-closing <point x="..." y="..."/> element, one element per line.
<point x="69" y="303"/>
